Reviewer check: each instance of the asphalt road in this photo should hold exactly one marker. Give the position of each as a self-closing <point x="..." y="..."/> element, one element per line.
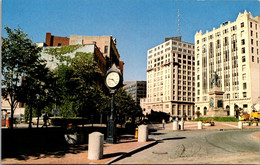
<point x="199" y="147"/>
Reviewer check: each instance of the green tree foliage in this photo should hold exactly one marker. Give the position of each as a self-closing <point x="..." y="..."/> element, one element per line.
<point x="126" y="107"/>
<point x="19" y="57"/>
<point x="39" y="90"/>
<point x="81" y="84"/>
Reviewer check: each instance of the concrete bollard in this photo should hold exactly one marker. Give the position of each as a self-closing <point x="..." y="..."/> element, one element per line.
<point x="240" y="125"/>
<point x="95" y="146"/>
<point x="175" y="125"/>
<point x="142" y="133"/>
<point x="181" y="125"/>
<point x="200" y="126"/>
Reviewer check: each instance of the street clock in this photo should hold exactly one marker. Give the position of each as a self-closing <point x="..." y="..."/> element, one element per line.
<point x="113" y="79"/>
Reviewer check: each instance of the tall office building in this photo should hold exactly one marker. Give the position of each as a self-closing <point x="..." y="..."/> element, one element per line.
<point x="170" y="78"/>
<point x="137" y="89"/>
<point x="232" y="50"/>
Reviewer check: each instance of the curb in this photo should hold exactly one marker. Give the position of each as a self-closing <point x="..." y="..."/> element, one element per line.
<point x="131" y="152"/>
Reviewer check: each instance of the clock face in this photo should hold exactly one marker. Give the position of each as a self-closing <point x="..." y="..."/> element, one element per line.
<point x="112" y="79"/>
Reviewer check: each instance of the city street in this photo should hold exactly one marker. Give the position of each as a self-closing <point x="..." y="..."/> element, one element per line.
<point x="200" y="147"/>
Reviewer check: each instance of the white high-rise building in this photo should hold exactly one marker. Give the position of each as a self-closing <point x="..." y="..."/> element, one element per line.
<point x="171" y="78"/>
<point x="232" y="50"/>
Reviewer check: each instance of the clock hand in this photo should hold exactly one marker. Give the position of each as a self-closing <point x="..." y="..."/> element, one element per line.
<point x="112" y="79"/>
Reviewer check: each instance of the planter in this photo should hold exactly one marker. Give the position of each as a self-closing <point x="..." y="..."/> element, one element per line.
<point x="254" y="124"/>
<point x="74" y="138"/>
<point x="246" y="124"/>
<point x="207" y="124"/>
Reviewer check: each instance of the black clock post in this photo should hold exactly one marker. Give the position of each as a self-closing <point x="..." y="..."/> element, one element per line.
<point x="113" y="81"/>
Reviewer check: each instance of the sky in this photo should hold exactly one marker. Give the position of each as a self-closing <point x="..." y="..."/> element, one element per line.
<point x="137" y="25"/>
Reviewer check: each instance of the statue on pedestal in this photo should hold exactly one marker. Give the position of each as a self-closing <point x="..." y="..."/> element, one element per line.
<point x="214" y="80"/>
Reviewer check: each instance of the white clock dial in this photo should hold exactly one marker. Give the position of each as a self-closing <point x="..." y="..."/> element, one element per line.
<point x="112" y="79"/>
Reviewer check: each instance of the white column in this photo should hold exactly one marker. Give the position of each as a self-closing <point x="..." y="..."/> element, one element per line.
<point x="175" y="125"/>
<point x="200" y="126"/>
<point x="142" y="133"/>
<point x="95" y="146"/>
<point x="240" y="125"/>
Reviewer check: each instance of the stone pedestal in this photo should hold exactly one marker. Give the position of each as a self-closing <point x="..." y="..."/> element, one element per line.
<point x="175" y="125"/>
<point x="200" y="125"/>
<point x="181" y="125"/>
<point x="95" y="146"/>
<point x="216" y="103"/>
<point x="142" y="133"/>
<point x="240" y="125"/>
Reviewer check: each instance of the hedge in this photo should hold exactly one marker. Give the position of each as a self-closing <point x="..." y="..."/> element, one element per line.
<point x="226" y="119"/>
<point x="66" y="121"/>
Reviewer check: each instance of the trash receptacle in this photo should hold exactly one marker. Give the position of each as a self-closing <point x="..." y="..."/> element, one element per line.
<point x="7" y="122"/>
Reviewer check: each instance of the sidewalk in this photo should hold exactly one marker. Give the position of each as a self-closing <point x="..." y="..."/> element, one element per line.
<point x="191" y="125"/>
<point x="111" y="153"/>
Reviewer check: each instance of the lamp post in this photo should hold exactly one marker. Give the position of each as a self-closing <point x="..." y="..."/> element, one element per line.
<point x="113" y="81"/>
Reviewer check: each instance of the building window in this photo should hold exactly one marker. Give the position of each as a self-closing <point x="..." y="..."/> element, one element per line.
<point x="252" y="50"/>
<point x="253" y="59"/>
<point x="244" y="76"/>
<point x="242" y="33"/>
<point x="243" y="59"/>
<point x="243" y="50"/>
<point x="106" y="49"/>
<point x="251" y="24"/>
<point x="251" y="33"/>
<point x="252" y="41"/>
<point x="243" y="42"/>
<point x="244" y="94"/>
<point x="244" y="86"/>
<point x="243" y="67"/>
<point x="242" y="24"/>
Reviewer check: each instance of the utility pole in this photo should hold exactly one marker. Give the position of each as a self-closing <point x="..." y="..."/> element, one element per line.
<point x="178" y="22"/>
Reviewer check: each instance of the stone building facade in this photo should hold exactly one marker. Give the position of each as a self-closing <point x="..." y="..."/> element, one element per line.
<point x="232" y="50"/>
<point x="171" y="79"/>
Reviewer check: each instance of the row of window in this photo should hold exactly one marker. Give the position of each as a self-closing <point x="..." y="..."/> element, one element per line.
<point x="190" y="46"/>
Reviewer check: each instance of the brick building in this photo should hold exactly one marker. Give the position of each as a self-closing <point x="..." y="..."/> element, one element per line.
<point x="56" y="40"/>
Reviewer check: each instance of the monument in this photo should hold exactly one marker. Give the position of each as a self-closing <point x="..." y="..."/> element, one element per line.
<point x="216" y="99"/>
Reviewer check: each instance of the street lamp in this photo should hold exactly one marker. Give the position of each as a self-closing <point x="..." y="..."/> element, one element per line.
<point x="113" y="81"/>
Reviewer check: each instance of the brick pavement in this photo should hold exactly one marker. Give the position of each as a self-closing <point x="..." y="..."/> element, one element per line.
<point x="111" y="151"/>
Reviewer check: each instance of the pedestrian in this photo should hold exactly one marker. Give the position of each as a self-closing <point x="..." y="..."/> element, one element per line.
<point x="45" y="120"/>
<point x="163" y="123"/>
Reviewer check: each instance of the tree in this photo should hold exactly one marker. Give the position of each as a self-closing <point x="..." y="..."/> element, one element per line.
<point x="39" y="88"/>
<point x="80" y="81"/>
<point x="19" y="57"/>
<point x="126" y="107"/>
<point x="88" y="80"/>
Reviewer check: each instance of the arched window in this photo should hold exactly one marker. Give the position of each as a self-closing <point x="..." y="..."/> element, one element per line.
<point x="228" y="110"/>
<point x="205" y="111"/>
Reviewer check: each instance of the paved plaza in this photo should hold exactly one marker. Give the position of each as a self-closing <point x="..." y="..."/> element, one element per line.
<point x="170" y="144"/>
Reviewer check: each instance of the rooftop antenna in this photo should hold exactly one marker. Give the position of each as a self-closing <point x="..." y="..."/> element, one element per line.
<point x="178" y="22"/>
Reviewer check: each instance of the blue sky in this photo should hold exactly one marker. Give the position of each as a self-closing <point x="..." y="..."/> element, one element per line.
<point x="138" y="25"/>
